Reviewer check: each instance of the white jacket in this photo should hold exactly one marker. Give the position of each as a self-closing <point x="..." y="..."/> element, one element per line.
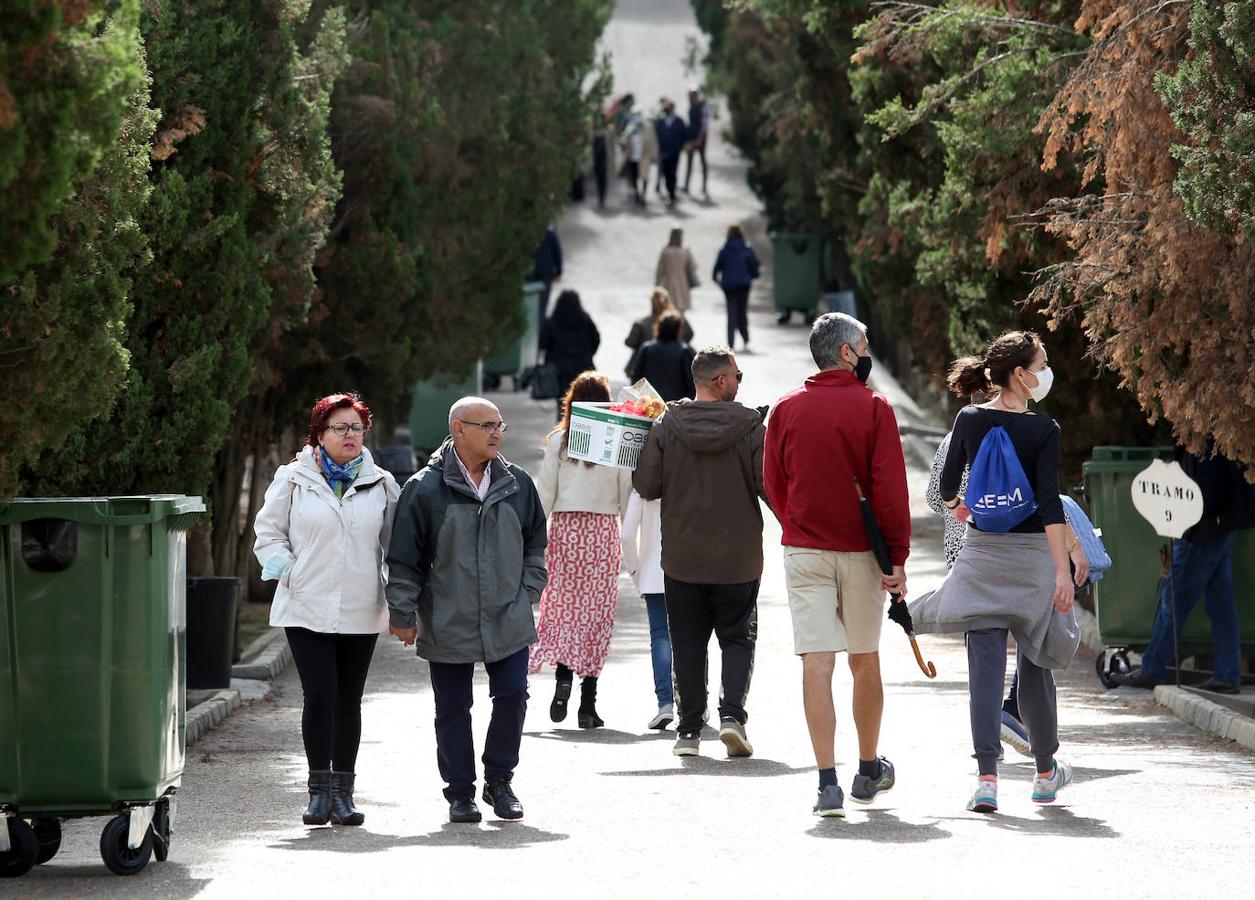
<point x="570" y="485"/>
<point x="336" y="582"/>
<point x="642" y="543"/>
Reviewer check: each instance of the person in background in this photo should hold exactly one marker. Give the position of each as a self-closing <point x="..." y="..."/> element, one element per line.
<point x="645" y="328"/>
<point x="1202" y="566"/>
<point x="601" y="159"/>
<point x="667" y="361"/>
<point x="698" y="128"/>
<point x="323" y="532"/>
<point x="546" y="267"/>
<point x="642" y="559"/>
<point x="672" y="135"/>
<point x="584" y="503"/>
<point x="677" y="271"/>
<point x="736" y="267"/>
<point x="569" y="338"/>
<point x="632" y="141"/>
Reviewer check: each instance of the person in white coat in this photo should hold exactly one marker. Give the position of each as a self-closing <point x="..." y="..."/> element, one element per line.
<point x="642" y="559"/>
<point x="584" y="503"/>
<point x="323" y="534"/>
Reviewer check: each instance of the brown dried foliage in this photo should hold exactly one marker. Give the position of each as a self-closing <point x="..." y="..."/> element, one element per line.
<point x="186" y="122"/>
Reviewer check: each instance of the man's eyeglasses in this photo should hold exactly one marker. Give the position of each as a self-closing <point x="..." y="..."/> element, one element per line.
<point x="343" y="428"/>
<point x="738" y="373"/>
<point x="490" y="427"/>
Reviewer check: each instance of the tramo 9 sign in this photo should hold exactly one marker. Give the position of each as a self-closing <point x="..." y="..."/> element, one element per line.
<point x="1167" y="498"/>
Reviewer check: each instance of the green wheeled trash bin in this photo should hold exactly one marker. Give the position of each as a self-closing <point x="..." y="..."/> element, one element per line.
<point x="520" y="357"/>
<point x="799" y="269"/>
<point x="429" y="408"/>
<point x="1127" y="598"/>
<point x="92" y="705"/>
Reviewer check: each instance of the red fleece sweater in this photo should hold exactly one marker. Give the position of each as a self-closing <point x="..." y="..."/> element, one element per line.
<point x="821" y="436"/>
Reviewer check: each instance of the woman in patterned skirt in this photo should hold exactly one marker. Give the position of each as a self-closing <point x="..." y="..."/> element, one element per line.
<point x="584" y="503"/>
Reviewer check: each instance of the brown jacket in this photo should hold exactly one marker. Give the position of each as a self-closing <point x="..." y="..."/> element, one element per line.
<point x="704" y="460"/>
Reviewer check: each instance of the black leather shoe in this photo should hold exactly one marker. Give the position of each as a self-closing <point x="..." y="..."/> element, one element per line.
<point x="504" y="803"/>
<point x="319" y="810"/>
<point x="561" y="695"/>
<point x="343" y="812"/>
<point x="1219" y="687"/>
<point x="464" y="810"/>
<point x="1135" y="678"/>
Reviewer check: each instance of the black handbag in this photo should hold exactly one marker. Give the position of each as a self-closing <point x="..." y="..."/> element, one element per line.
<point x="546" y="384"/>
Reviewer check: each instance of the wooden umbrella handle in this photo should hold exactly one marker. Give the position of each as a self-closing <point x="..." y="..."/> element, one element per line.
<point x="927" y="668"/>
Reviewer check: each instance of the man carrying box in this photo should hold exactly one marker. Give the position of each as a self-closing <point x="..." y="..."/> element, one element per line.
<point x="704" y="460"/>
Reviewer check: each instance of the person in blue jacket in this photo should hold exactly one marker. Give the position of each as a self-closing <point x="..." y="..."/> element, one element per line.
<point x="736" y="267"/>
<point x="672" y="137"/>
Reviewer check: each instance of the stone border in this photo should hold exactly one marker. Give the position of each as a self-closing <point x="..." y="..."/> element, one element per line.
<point x="207" y="715"/>
<point x="264" y="660"/>
<point x="1216" y="720"/>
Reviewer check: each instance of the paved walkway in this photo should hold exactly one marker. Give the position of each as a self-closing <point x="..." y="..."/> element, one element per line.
<point x="1158" y="809"/>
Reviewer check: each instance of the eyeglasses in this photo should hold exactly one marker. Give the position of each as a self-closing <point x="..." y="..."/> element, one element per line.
<point x="343" y="428"/>
<point x="490" y="427"/>
<point x="738" y="373"/>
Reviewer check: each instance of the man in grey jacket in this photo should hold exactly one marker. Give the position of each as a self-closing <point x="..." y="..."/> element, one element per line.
<point x="465" y="566"/>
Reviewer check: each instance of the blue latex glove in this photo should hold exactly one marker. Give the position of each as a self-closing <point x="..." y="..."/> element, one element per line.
<point x="275" y="567"/>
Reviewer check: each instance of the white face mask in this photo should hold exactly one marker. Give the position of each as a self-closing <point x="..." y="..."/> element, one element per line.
<point x="1045" y="378"/>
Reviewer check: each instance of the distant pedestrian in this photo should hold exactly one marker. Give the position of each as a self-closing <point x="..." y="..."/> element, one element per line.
<point x="736" y="267"/>
<point x="672" y="135"/>
<point x="546" y="267"/>
<point x="667" y="361"/>
<point x="1015" y="579"/>
<point x="584" y="503"/>
<point x="601" y="160"/>
<point x="703" y="459"/>
<point x="821" y="437"/>
<point x="322" y="533"/>
<point x="649" y="157"/>
<point x="698" y="129"/>
<point x="569" y="338"/>
<point x="461" y="610"/>
<point x="645" y="328"/>
<point x="642" y="560"/>
<point x="677" y="271"/>
<point x="632" y="141"/>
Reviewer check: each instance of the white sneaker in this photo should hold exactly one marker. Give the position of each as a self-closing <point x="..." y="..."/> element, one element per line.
<point x="665" y="716"/>
<point x="985" y="797"/>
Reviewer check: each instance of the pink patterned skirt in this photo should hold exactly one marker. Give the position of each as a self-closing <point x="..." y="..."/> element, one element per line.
<point x="577" y="607"/>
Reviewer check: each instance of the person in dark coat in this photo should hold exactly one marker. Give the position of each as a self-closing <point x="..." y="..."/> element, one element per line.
<point x="547" y="266"/>
<point x="601" y="161"/>
<point x="667" y="361"/>
<point x="672" y="136"/>
<point x="698" y="127"/>
<point x="569" y="338"/>
<point x="736" y="267"/>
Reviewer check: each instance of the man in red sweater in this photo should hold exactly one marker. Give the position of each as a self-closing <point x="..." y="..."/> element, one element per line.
<point x="820" y="438"/>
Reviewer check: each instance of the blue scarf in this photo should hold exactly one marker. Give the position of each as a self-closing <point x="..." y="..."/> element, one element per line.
<point x="338" y="477"/>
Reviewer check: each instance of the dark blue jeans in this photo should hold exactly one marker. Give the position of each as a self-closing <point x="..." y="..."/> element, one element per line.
<point x="660" y="647"/>
<point x="452" y="684"/>
<point x="1199" y="570"/>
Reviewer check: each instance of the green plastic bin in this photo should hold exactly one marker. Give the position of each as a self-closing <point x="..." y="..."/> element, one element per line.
<point x="1127" y="598"/>
<point x="799" y="270"/>
<point x="92" y="669"/>
<point x="429" y="408"/>
<point x="522" y="355"/>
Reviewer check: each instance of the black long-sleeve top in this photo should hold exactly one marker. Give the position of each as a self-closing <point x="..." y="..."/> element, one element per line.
<point x="1036" y="442"/>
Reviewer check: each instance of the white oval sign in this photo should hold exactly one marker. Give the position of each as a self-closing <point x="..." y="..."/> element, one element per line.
<point x="1167" y="498"/>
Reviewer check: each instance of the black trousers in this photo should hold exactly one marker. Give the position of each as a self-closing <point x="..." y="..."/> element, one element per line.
<point x="599" y="173"/>
<point x="634" y="178"/>
<point x="333" y="670"/>
<point x="694" y="611"/>
<point x="670" y="166"/>
<point x="452" y="684"/>
<point x="700" y="150"/>
<point x="738" y="303"/>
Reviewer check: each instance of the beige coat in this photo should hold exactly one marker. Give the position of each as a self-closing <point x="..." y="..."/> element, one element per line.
<point x="675" y="266"/>
<point x="570" y="485"/>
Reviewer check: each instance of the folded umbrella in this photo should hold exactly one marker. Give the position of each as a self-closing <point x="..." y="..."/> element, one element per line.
<point x="898" y="611"/>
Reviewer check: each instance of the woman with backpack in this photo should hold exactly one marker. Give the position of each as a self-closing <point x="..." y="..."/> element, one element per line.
<point x="1012" y="575"/>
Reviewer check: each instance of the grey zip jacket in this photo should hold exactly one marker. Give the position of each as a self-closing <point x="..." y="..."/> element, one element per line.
<point x="467" y="573"/>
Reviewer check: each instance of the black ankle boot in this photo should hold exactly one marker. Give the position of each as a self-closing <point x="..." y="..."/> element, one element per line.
<point x="587" y="716"/>
<point x="319" y="810"/>
<point x="561" y="693"/>
<point x="343" y="812"/>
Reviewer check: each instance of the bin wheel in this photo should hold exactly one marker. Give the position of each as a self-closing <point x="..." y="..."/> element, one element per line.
<point x="48" y="832"/>
<point x="120" y="858"/>
<point x="1110" y="663"/>
<point x="783" y="316"/>
<point x="23" y="850"/>
<point x="161" y="831"/>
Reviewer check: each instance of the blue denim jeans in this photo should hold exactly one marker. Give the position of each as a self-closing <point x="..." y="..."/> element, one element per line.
<point x="1206" y="570"/>
<point x="660" y="647"/>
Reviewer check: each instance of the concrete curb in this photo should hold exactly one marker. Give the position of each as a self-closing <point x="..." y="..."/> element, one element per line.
<point x="207" y="715"/>
<point x="264" y="660"/>
<point x="1212" y="718"/>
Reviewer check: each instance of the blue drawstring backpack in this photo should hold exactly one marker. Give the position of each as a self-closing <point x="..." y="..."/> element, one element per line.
<point x="1089" y="537"/>
<point x="998" y="492"/>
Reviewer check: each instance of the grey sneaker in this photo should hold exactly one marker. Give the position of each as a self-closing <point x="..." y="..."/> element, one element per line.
<point x="665" y="716"/>
<point x="1045" y="790"/>
<point x="865" y="789"/>
<point x="732" y="733"/>
<point x="985" y="797"/>
<point x="688" y="744"/>
<point x="831" y="803"/>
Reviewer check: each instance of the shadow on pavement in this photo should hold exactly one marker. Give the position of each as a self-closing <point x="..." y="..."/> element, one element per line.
<point x="1052" y="821"/>
<point x="880" y="826"/>
<point x="169" y="879"/>
<point x="1025" y="770"/>
<point x="754" y="767"/>
<point x="599" y="736"/>
<point x="490" y="835"/>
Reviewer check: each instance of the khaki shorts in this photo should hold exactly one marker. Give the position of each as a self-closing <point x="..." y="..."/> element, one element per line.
<point x="835" y="600"/>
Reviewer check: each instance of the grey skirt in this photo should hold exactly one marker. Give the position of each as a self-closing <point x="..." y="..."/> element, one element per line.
<point x="1003" y="580"/>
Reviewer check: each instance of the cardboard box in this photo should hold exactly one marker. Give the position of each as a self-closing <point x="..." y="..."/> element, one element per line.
<point x="607" y="438"/>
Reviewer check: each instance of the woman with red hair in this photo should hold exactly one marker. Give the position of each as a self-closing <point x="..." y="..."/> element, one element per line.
<point x="323" y="534"/>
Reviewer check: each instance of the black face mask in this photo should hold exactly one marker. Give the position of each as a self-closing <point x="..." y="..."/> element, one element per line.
<point x="864" y="368"/>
